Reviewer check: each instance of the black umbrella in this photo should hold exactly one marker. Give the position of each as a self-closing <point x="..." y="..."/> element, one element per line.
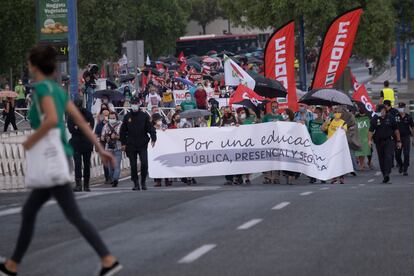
<point x="111" y="84"/>
<point x="269" y="88"/>
<point x="127" y="78"/>
<point x="195" y="59"/>
<point x="196" y="65"/>
<point x="153" y="71"/>
<point x="195" y="113"/>
<point x="113" y="95"/>
<point x="327" y="97"/>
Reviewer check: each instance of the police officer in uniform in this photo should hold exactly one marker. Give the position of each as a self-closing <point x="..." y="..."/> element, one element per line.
<point x="387" y="93"/>
<point x="406" y="127"/>
<point x="393" y="112"/>
<point x="383" y="131"/>
<point x="135" y="134"/>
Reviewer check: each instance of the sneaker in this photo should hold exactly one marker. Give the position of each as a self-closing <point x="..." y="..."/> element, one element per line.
<point x="115" y="183"/>
<point x="405" y="173"/>
<point x="143" y="187"/>
<point x="111" y="271"/>
<point x="4" y="271"/>
<point x="386" y="179"/>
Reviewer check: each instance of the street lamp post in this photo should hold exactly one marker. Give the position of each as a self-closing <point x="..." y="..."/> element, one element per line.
<point x="73" y="48"/>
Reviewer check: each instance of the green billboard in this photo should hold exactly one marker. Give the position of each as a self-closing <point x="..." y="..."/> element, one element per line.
<point x="52" y="20"/>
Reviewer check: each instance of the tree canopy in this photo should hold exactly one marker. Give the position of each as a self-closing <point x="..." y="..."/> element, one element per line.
<point x="205" y="12"/>
<point x="375" y="34"/>
<point x="104" y="24"/>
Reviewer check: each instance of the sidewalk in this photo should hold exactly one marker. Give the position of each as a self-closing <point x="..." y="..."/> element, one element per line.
<point x="401" y="89"/>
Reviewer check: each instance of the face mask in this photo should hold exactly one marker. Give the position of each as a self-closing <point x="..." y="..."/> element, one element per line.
<point x="243" y="116"/>
<point x="337" y="115"/>
<point x="134" y="107"/>
<point x="285" y="116"/>
<point x="112" y="121"/>
<point x="401" y="110"/>
<point x="302" y="109"/>
<point x="188" y="99"/>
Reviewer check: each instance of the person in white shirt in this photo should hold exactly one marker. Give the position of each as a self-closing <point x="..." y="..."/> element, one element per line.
<point x="153" y="98"/>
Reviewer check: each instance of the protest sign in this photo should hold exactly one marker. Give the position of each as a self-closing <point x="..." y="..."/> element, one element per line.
<point x="197" y="152"/>
<point x="179" y="96"/>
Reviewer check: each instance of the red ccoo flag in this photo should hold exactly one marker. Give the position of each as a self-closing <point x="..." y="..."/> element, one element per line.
<point x="280" y="60"/>
<point x="336" y="49"/>
<point x="181" y="57"/>
<point x="244" y="93"/>
<point x="361" y="95"/>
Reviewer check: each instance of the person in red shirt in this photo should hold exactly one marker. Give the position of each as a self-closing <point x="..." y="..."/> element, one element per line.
<point x="200" y="96"/>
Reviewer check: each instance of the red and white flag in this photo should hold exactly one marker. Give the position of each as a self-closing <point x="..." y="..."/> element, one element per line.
<point x="181" y="57"/>
<point x="280" y="60"/>
<point x="361" y="94"/>
<point x="336" y="49"/>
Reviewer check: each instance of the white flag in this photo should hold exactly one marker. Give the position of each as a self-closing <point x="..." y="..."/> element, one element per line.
<point x="148" y="62"/>
<point x="235" y="75"/>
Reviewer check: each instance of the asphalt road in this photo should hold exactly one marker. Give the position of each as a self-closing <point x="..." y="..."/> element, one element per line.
<point x="360" y="228"/>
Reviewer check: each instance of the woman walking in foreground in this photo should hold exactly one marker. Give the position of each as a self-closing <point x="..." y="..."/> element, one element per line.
<point x="52" y="102"/>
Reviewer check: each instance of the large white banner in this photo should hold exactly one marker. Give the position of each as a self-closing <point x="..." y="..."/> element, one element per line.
<point x="195" y="152"/>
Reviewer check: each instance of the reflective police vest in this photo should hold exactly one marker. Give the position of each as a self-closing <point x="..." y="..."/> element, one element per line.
<point x="389" y="95"/>
<point x="218" y="118"/>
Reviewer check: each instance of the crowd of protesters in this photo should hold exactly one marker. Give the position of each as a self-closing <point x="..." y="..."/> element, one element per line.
<point x="321" y="121"/>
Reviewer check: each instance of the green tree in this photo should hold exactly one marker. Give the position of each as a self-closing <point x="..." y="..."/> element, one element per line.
<point x="17" y="33"/>
<point x="100" y="26"/>
<point x="159" y="25"/>
<point x="374" y="35"/>
<point x="204" y="12"/>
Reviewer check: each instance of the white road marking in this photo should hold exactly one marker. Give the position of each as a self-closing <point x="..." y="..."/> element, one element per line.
<point x="249" y="224"/>
<point x="371" y="180"/>
<point x="377" y="173"/>
<point x="306" y="193"/>
<point x="324" y="188"/>
<point x="281" y="205"/>
<point x="10" y="211"/>
<point x="196" y="254"/>
<point x="361" y="185"/>
<point x="17" y="210"/>
<point x="124" y="178"/>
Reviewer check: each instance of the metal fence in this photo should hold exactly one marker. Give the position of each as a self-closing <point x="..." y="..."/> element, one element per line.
<point x="23" y="124"/>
